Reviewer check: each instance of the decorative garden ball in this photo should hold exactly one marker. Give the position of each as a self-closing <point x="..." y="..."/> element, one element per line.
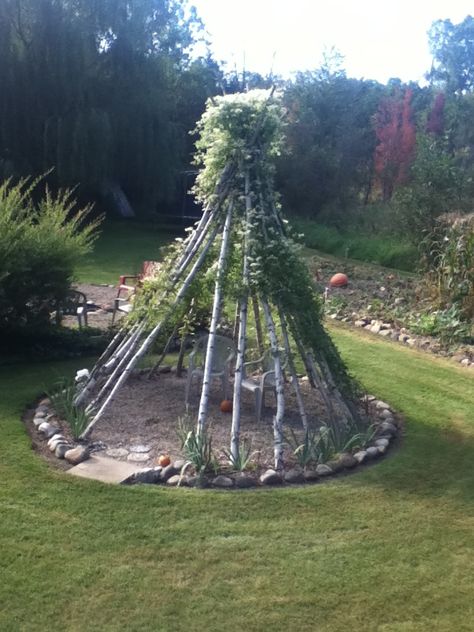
<point x="339" y="280"/>
<point x="226" y="406"/>
<point x="164" y="460"/>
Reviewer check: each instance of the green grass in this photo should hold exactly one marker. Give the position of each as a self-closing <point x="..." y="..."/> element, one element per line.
<point x="121" y="249"/>
<point x="387" y="251"/>
<point x="386" y="549"/>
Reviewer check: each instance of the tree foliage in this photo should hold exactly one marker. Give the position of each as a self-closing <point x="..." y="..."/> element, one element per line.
<point x="96" y="89"/>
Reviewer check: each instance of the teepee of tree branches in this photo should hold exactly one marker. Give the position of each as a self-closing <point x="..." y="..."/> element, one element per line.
<point x="243" y="248"/>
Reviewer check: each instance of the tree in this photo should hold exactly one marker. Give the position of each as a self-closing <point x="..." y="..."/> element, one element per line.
<point x="396" y="135"/>
<point x="452" y="47"/>
<point x="330" y="142"/>
<point x="94" y="88"/>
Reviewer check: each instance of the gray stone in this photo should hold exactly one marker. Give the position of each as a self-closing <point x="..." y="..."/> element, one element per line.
<point x="77" y="455"/>
<point x="335" y="465"/>
<point x="54" y="438"/>
<point x="224" y="482"/>
<point x="40" y="413"/>
<point x="173" y="481"/>
<point x="386" y="326"/>
<point x="310" y="475"/>
<point x="44" y="403"/>
<point x="178" y="465"/>
<point x="382" y="442"/>
<point x="385" y="333"/>
<point x="242" y="481"/>
<point x="61" y="450"/>
<point x="386" y="414"/>
<point x="411" y="342"/>
<point x="138" y="457"/>
<point x="372" y="452"/>
<point x="375" y="329"/>
<point x="270" y="477"/>
<point x="294" y="476"/>
<point x="387" y="427"/>
<point x="149" y="476"/>
<point x="360" y="456"/>
<point x="47" y="429"/>
<point x="38" y="421"/>
<point x="380" y="405"/>
<point x="347" y="460"/>
<point x="139" y="449"/>
<point x="403" y="338"/>
<point x="323" y="470"/>
<point x="117" y="453"/>
<point x="55" y="444"/>
<point x="465" y="362"/>
<point x="168" y="471"/>
<point x="382" y="449"/>
<point x="359" y="323"/>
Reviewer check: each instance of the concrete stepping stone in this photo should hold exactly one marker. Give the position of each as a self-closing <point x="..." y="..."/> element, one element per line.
<point x="103" y="468"/>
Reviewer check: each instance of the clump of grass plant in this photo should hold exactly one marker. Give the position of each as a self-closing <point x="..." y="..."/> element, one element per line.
<point x="62" y="398"/>
<point x="196" y="446"/>
<point x="241" y="462"/>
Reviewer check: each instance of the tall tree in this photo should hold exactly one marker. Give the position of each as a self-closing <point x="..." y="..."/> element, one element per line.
<point x="396" y="135"/>
<point x="452" y="47"/>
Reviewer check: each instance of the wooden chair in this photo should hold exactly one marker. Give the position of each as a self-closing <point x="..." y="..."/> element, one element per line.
<point x="127" y="287"/>
<point x="224" y="354"/>
<point x="262" y="379"/>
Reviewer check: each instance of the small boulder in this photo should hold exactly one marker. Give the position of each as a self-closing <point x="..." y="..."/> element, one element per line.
<point x="47" y="429"/>
<point x="37" y="421"/>
<point x="335" y="465"/>
<point x="223" y="482"/>
<point x="347" y="460"/>
<point x="384" y="442"/>
<point x="40" y="413"/>
<point x="386" y="414"/>
<point x="77" y="455"/>
<point x="61" y="450"/>
<point x="270" y="477"/>
<point x="324" y="470"/>
<point x="380" y="405"/>
<point x="310" y="475"/>
<point x="176" y="479"/>
<point x="372" y="452"/>
<point x="150" y="476"/>
<point x="294" y="476"/>
<point x="387" y="427"/>
<point x="243" y="481"/>
<point x="54" y="438"/>
<point x="168" y="471"/>
<point x="360" y="456"/>
<point x="178" y="465"/>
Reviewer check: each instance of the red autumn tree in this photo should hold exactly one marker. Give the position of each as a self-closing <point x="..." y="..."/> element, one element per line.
<point x="396" y="135"/>
<point x="435" y="123"/>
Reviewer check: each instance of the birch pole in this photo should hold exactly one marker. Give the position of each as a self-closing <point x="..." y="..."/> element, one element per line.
<point x="239" y="364"/>
<point x="258" y="325"/>
<point x="291" y="364"/>
<point x="153" y="334"/>
<point x="278" y="418"/>
<point x="206" y="380"/>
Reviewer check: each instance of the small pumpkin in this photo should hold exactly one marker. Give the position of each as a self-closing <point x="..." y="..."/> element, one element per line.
<point x="339" y="280"/>
<point x="164" y="460"/>
<point x="226" y="406"/>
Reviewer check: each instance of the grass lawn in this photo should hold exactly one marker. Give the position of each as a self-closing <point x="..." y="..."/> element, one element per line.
<point x="121" y="249"/>
<point x="388" y="549"/>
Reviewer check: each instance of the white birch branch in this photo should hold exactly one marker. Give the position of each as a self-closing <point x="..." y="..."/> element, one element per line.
<point x="204" y="401"/>
<point x="280" y="394"/>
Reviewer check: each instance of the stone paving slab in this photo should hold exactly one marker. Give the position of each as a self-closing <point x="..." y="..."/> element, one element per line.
<point x="103" y="468"/>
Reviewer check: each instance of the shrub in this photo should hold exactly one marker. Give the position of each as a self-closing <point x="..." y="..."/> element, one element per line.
<point x="40" y="245"/>
<point x="449" y="264"/>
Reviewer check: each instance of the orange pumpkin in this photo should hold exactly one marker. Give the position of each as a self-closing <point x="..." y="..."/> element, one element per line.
<point x="339" y="280"/>
<point x="226" y="406"/>
<point x="164" y="460"/>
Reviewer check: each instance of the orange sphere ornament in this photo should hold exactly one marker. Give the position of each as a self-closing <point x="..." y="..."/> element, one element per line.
<point x="164" y="460"/>
<point x="226" y="406"/>
<point x="339" y="280"/>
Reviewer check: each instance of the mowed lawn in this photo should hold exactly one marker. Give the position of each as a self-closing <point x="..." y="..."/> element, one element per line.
<point x="389" y="548"/>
